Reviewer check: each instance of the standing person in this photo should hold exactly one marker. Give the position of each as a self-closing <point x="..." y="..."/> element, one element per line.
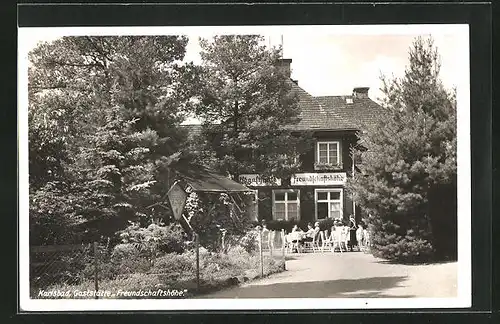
<point x="359" y="236"/>
<point x="352" y="232"/>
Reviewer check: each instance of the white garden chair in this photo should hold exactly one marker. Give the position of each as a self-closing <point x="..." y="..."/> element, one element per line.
<point x="337" y="239"/>
<point x="340" y="238"/>
<point x="268" y="239"/>
<point x="309" y="245"/>
<point x="327" y="241"/>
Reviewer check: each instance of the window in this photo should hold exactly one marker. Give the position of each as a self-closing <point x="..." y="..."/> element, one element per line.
<point x="328" y="153"/>
<point x="329" y="203"/>
<point x="286" y="204"/>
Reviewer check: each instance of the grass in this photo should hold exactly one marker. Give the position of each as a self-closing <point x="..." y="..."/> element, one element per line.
<point x="172" y="271"/>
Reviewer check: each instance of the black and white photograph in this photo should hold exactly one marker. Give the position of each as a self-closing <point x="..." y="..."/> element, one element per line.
<point x="244" y="167"/>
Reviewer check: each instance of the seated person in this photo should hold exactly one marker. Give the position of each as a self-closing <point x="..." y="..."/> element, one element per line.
<point x="309" y="234"/>
<point x="296" y="234"/>
<point x="316" y="229"/>
<point x="296" y="237"/>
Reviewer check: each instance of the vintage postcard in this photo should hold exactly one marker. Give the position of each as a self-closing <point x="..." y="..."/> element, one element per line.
<point x="263" y="167"/>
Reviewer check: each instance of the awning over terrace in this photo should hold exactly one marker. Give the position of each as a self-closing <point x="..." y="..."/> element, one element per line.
<point x="203" y="180"/>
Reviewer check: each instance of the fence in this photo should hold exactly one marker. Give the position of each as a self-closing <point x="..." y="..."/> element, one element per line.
<point x="135" y="271"/>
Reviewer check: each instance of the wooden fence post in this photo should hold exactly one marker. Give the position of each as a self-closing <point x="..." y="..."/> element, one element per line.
<point x="260" y="254"/>
<point x="270" y="242"/>
<point x="283" y="241"/>
<point x="96" y="270"/>
<point x="197" y="241"/>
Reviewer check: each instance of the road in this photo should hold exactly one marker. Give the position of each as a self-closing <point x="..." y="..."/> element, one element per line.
<point x="353" y="274"/>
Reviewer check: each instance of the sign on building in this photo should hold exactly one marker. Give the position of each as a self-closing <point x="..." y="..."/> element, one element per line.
<point x="318" y="179"/>
<point x="256" y="180"/>
<point x="177" y="198"/>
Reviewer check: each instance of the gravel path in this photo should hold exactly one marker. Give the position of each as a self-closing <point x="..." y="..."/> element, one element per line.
<point x="353" y="274"/>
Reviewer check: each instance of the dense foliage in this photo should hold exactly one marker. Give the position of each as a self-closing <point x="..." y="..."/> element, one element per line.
<point x="103" y="133"/>
<point x="409" y="164"/>
<point x="213" y="216"/>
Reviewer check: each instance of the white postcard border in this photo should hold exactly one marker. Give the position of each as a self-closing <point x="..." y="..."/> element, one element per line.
<point x="463" y="299"/>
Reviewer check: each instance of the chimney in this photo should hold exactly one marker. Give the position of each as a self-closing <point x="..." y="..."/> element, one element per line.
<point x="360" y="92"/>
<point x="285" y="65"/>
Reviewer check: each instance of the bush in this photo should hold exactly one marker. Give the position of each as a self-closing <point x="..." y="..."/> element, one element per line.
<point x="405" y="241"/>
<point x="175" y="266"/>
<point x="249" y="242"/>
<point x="287" y="225"/>
<point x="326" y="224"/>
<point x="125" y="251"/>
<point x="154" y="238"/>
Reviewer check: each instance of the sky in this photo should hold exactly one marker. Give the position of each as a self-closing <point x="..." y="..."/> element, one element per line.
<point x="335" y="64"/>
<point x="326" y="60"/>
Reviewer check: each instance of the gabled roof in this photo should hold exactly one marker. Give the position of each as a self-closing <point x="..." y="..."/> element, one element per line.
<point x="192" y="130"/>
<point x="315" y="114"/>
<point x="334" y="113"/>
<point x="203" y="180"/>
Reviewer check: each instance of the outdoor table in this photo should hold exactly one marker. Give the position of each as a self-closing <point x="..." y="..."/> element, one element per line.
<point x="297" y="236"/>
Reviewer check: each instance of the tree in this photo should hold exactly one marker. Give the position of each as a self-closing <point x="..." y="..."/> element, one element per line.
<point x="213" y="214"/>
<point x="409" y="162"/>
<point x="103" y="130"/>
<point x="246" y="102"/>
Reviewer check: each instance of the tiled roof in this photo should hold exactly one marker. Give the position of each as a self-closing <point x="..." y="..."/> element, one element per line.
<point x="334" y="113"/>
<point x="192" y="130"/>
<point x="315" y="114"/>
<point x="326" y="113"/>
<point x="359" y="114"/>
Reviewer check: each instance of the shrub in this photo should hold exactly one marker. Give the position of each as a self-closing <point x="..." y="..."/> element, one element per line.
<point x="155" y="238"/>
<point x="406" y="241"/>
<point x="287" y="225"/>
<point x="326" y="224"/>
<point x="249" y="242"/>
<point x="125" y="251"/>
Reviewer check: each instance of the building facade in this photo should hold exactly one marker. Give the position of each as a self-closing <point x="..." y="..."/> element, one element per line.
<point x="318" y="191"/>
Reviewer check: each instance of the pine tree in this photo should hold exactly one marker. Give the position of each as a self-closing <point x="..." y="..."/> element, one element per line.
<point x="246" y="101"/>
<point x="409" y="161"/>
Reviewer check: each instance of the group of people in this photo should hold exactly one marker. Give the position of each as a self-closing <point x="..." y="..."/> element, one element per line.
<point x="357" y="235"/>
<point x="300" y="237"/>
